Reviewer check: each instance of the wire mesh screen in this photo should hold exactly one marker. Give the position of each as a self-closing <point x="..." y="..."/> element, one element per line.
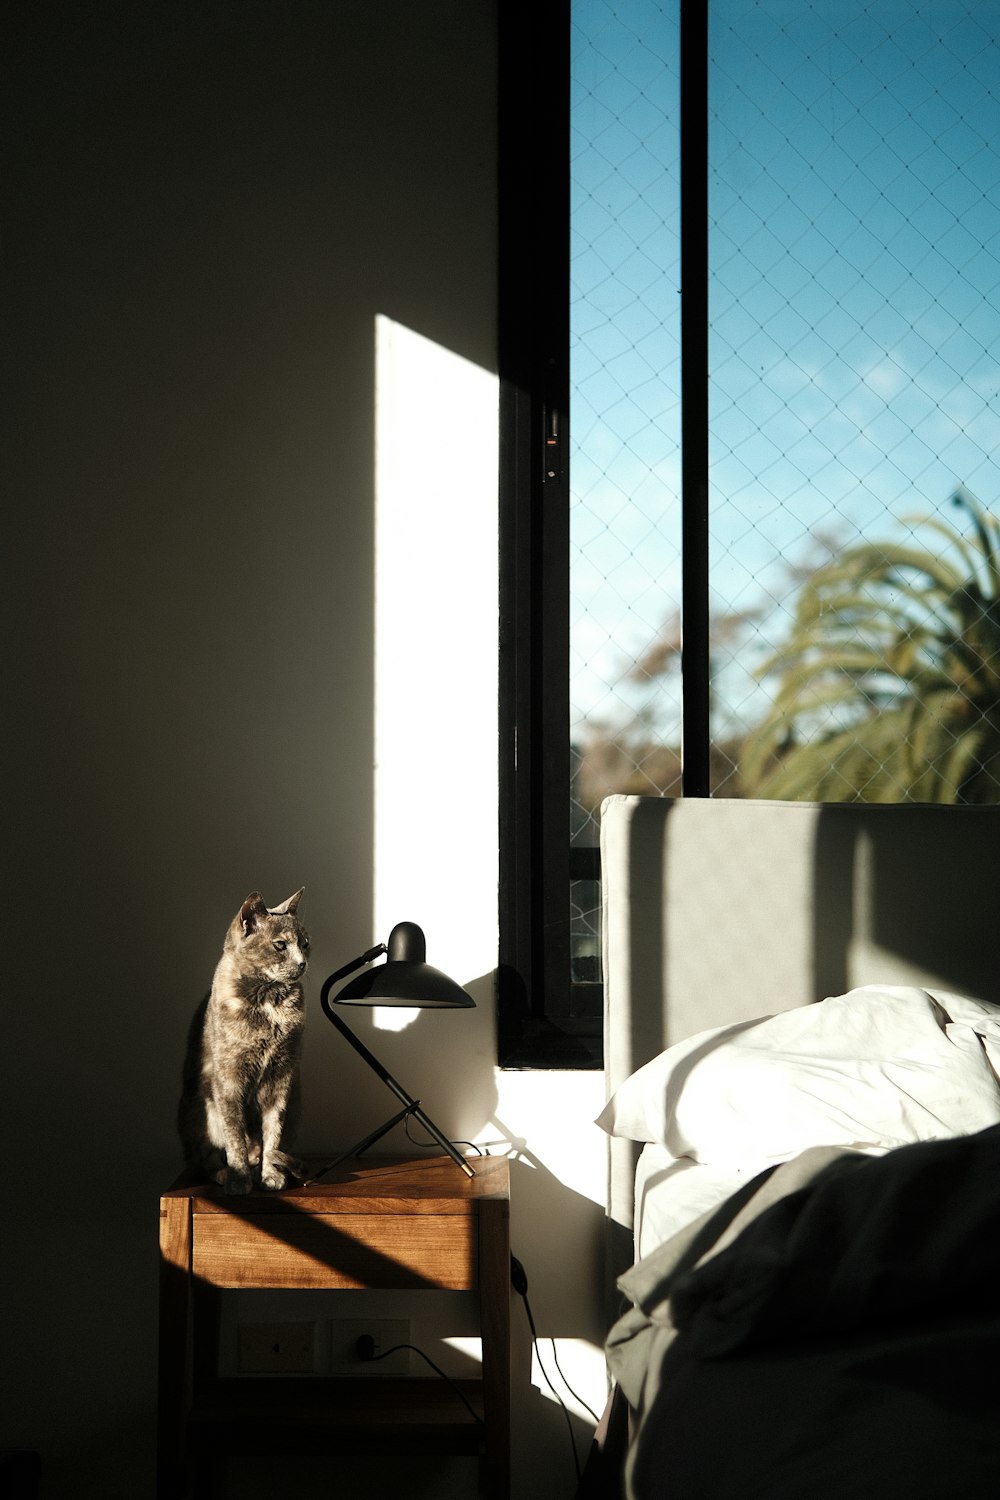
<point x="854" y="263"/>
<point x="625" y="402"/>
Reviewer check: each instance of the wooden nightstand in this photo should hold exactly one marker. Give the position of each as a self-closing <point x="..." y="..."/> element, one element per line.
<point x="415" y="1225"/>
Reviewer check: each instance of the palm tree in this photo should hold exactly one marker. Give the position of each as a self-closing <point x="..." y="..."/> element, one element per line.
<point x="888" y="688"/>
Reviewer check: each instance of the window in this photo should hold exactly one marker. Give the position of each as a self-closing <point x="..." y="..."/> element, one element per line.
<point x="753" y="325"/>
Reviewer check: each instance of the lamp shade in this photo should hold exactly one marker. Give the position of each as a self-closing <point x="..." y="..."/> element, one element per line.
<point x="406" y="978"/>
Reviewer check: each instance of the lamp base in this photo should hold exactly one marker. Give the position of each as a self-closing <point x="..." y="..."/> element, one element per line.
<point x="376" y="1135"/>
<point x="413" y="1108"/>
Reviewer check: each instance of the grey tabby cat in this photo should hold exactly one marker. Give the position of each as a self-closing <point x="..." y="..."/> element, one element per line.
<point x="240" y="1092"/>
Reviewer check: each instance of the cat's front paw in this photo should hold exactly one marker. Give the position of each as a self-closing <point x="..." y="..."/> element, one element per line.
<point x="274" y="1179"/>
<point x="236" y="1181"/>
<point x="295" y="1168"/>
<point x="282" y="1171"/>
<point x="290" y="1169"/>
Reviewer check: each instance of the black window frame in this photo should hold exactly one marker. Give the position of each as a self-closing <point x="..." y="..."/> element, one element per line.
<point x="545" y="1018"/>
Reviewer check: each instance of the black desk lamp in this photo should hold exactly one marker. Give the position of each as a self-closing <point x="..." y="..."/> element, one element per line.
<point x="405" y="979"/>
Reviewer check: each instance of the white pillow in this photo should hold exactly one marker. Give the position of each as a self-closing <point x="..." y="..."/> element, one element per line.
<point x="879" y="1066"/>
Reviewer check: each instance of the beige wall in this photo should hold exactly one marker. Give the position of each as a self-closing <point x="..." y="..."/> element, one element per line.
<point x="210" y="205"/>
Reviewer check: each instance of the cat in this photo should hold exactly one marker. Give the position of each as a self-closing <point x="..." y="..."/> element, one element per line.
<point x="240" y="1092"/>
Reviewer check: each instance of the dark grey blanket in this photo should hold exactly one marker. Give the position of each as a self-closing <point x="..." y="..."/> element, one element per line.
<point x="833" y="1333"/>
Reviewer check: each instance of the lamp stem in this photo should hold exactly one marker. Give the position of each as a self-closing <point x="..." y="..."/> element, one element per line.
<point x="412" y="1106"/>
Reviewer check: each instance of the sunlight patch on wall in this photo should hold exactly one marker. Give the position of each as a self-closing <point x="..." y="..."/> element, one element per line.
<point x="562" y="1368"/>
<point x="436" y="640"/>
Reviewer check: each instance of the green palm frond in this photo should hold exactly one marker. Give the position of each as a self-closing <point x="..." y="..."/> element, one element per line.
<point x="888" y="685"/>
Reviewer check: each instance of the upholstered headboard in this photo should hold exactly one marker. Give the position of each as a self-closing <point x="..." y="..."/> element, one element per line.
<point x="722" y="910"/>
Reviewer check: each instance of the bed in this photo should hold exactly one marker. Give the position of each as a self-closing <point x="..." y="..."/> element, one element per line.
<point x="802" y="1046"/>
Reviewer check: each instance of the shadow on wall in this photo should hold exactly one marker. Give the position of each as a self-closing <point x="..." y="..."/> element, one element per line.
<point x="212" y="205"/>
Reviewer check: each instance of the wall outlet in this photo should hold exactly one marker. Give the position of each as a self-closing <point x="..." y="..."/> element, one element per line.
<point x="276" y="1348"/>
<point x="386" y="1333"/>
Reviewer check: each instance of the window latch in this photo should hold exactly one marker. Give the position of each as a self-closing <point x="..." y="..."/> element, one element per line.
<point x="552" y="447"/>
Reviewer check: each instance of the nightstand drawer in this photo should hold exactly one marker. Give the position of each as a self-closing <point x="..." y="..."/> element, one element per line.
<point x="336" y="1250"/>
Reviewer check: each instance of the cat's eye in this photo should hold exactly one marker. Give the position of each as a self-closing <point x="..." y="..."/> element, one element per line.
<point x="280" y="946"/>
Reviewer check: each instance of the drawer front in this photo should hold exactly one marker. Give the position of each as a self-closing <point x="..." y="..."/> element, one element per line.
<point x="336" y="1250"/>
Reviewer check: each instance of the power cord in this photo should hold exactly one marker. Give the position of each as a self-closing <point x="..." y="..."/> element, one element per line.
<point x="519" y="1281"/>
<point x="365" y="1347"/>
<point x="432" y="1145"/>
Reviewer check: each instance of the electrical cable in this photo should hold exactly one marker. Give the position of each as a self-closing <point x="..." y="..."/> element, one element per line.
<point x="519" y="1281"/>
<point x="429" y="1145"/>
<point x="576" y="1397"/>
<point x="366" y="1351"/>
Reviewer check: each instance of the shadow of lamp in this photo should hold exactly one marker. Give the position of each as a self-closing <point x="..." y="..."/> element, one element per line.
<point x="405" y="979"/>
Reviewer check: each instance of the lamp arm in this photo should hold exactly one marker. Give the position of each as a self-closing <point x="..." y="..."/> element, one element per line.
<point x="356" y="1042"/>
<point x="412" y="1106"/>
<point x="355" y="963"/>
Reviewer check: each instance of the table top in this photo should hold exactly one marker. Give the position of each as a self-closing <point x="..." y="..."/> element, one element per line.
<point x="370" y="1184"/>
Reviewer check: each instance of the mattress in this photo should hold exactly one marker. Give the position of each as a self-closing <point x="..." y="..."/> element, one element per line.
<point x="670" y="1194"/>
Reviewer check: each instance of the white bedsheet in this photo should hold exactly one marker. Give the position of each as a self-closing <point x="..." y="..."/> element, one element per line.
<point x="671" y="1193"/>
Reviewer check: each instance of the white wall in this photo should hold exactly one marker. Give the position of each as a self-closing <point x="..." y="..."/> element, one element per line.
<point x="215" y="209"/>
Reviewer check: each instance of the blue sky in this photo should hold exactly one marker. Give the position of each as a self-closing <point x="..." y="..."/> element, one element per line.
<point x="855" y="300"/>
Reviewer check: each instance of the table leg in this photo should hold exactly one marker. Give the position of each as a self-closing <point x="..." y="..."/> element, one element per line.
<point x="494" y="1313"/>
<point x="175" y="1372"/>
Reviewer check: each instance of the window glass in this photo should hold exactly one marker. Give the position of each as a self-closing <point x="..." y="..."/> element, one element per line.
<point x="854" y="315"/>
<point x="625" y="584"/>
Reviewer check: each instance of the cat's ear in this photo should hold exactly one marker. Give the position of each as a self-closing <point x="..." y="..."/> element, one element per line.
<point x="252" y="911"/>
<point x="287" y="908"/>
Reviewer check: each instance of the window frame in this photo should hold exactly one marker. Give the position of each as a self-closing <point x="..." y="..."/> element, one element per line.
<point x="534" y="1029"/>
<point x="545" y="1018"/>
